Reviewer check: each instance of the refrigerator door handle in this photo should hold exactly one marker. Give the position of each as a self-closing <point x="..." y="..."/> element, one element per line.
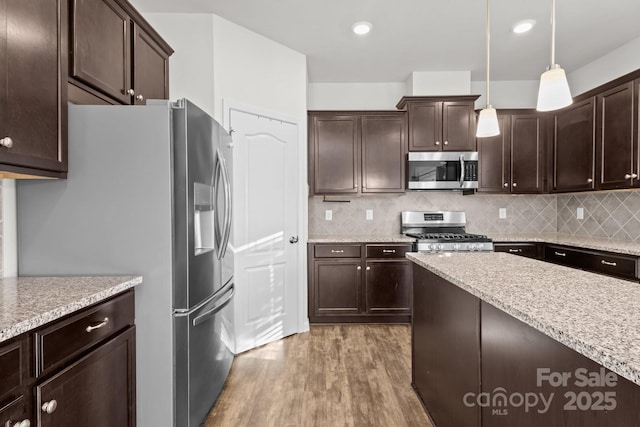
<point x="227" y="206"/>
<point x="218" y="229"/>
<point x="216" y="308"/>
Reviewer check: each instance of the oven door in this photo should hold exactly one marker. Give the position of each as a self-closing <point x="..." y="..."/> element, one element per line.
<point x="442" y="171"/>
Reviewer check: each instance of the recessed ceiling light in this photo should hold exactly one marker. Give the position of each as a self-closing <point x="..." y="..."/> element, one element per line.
<point x="361" y="28"/>
<point x="523" y="26"/>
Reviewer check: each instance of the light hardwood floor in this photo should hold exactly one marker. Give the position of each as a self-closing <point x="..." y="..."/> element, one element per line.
<point x="334" y="375"/>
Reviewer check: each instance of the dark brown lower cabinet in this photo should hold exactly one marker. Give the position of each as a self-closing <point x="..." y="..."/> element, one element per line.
<point x="359" y="283"/>
<point x="98" y="390"/>
<point x="475" y="365"/>
<point x="15" y="413"/>
<point x="445" y="349"/>
<point x="525" y="249"/>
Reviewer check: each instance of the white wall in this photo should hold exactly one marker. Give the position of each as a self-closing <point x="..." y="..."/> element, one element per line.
<point x="355" y="96"/>
<point x="508" y="93"/>
<point x="191" y="65"/>
<point x="616" y="63"/>
<point x="253" y="70"/>
<point x="434" y="83"/>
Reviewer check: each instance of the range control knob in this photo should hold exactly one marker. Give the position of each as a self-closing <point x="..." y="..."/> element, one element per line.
<point x="441" y="246"/>
<point x="456" y="247"/>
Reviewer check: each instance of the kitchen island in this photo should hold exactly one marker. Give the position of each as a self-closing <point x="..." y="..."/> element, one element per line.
<point x="501" y="340"/>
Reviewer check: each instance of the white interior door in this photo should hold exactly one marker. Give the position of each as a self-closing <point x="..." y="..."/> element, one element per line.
<point x="265" y="181"/>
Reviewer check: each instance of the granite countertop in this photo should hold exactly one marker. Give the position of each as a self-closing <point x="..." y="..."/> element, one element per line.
<point x="595" y="315"/>
<point x="597" y="243"/>
<point x="29" y="302"/>
<point x="364" y="238"/>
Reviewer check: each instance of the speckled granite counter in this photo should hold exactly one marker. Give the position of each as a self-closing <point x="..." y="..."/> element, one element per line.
<point x="595" y="315"/>
<point x="29" y="302"/>
<point x="597" y="243"/>
<point x="350" y="238"/>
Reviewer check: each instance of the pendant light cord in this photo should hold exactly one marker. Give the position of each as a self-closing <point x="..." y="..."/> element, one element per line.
<point x="488" y="39"/>
<point x="553" y="32"/>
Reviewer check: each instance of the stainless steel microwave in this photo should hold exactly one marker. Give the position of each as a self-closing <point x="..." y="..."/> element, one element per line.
<point x="441" y="170"/>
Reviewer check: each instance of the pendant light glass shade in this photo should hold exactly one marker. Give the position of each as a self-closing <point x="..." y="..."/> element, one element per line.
<point x="554" y="92"/>
<point x="488" y="123"/>
<point x="488" y="119"/>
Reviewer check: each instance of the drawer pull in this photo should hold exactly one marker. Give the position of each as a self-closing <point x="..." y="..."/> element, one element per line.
<point x="559" y="253"/>
<point x="333" y="251"/>
<point x="23" y="423"/>
<point x="515" y="251"/>
<point x="98" y="326"/>
<point x="612" y="264"/>
<point x="388" y="251"/>
<point x="50" y="406"/>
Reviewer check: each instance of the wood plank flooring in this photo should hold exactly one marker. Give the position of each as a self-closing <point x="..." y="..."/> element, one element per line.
<point x="334" y="375"/>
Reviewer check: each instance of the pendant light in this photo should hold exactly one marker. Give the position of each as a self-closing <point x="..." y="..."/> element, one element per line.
<point x="488" y="119"/>
<point x="554" y="92"/>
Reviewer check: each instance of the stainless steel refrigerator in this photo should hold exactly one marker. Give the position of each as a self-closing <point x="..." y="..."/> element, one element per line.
<point x="149" y="192"/>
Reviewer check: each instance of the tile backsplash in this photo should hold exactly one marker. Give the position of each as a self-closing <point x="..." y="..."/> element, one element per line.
<point x="525" y="214"/>
<point x="609" y="214"/>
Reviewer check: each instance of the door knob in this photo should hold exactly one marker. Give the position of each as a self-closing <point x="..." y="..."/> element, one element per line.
<point x="627" y="176"/>
<point x="293" y="239"/>
<point x="589" y="180"/>
<point x="506" y="184"/>
<point x="6" y="142"/>
<point x="49" y="406"/>
<point x="23" y="423"/>
<point x="140" y="98"/>
<point x="437" y="142"/>
<point x="130" y="92"/>
<point x="515" y="184"/>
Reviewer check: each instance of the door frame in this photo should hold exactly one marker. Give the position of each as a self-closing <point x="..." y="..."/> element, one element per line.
<point x="303" y="194"/>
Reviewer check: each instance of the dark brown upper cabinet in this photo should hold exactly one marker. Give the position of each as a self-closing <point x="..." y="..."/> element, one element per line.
<point x="615" y="137"/>
<point x="115" y="54"/>
<point x="356" y="152"/>
<point x="513" y="162"/>
<point x="635" y="181"/>
<point x="574" y="146"/>
<point x="440" y="123"/>
<point x="33" y="96"/>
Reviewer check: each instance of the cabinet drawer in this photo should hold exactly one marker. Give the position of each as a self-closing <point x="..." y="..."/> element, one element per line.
<point x="12" y="367"/>
<point x="337" y="251"/>
<point x="562" y="255"/>
<point x="387" y="251"/>
<point x="616" y="265"/>
<point x="67" y="338"/>
<point x="529" y="250"/>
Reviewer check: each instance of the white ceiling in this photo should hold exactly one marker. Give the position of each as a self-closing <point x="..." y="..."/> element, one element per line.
<point x="426" y="35"/>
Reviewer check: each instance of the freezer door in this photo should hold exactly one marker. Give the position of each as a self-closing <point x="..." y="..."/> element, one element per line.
<point x="203" y="357"/>
<point x="197" y="267"/>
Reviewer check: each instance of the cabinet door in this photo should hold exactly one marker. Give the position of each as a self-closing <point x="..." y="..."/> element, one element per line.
<point x="336" y="154"/>
<point x="387" y="287"/>
<point x="100" y="47"/>
<point x="150" y="68"/>
<point x="15" y="412"/>
<point x="383" y="153"/>
<point x="526" y="154"/>
<point x="336" y="287"/>
<point x="458" y="126"/>
<point x="615" y="139"/>
<point x="574" y="147"/>
<point x="425" y="126"/>
<point x="494" y="159"/>
<point x="98" y="390"/>
<point x="33" y="99"/>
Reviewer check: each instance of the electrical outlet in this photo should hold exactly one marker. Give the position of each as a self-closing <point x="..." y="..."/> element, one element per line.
<point x="580" y="213"/>
<point x="502" y="213"/>
<point x="328" y="214"/>
<point x="369" y="214"/>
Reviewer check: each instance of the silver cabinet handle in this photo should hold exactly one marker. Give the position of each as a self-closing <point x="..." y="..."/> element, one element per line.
<point x="368" y="268"/>
<point x="6" y="142"/>
<point x="130" y="92"/>
<point x="140" y="98"/>
<point x="612" y="264"/>
<point x="437" y="142"/>
<point x="589" y="180"/>
<point x="333" y="251"/>
<point x="98" y="326"/>
<point x="359" y="267"/>
<point x="23" y="423"/>
<point x="559" y="253"/>
<point x="515" y="251"/>
<point x="506" y="184"/>
<point x="515" y="184"/>
<point x="49" y="406"/>
<point x="446" y="143"/>
<point x="388" y="251"/>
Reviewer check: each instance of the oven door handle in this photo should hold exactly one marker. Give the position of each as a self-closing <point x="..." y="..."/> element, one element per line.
<point x="461" y="170"/>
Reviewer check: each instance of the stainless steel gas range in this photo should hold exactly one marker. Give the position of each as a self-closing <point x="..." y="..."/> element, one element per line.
<point x="442" y="231"/>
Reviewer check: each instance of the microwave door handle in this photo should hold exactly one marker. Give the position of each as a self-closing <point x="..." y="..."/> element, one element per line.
<point x="461" y="170"/>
